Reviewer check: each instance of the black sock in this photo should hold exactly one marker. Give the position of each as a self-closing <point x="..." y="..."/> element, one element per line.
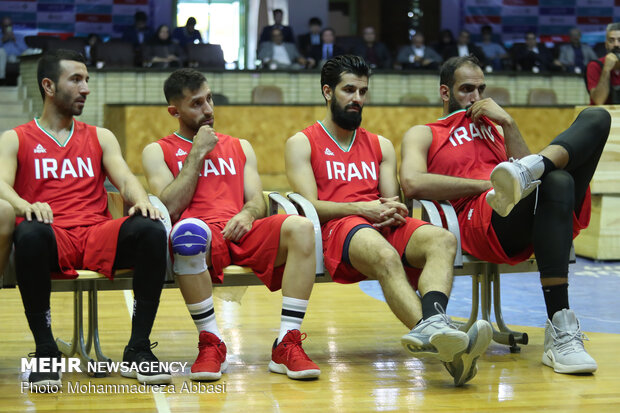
<point x="549" y="166"/>
<point x="41" y="327"/>
<point x="142" y="321"/>
<point x="428" y="303"/>
<point x="556" y="298"/>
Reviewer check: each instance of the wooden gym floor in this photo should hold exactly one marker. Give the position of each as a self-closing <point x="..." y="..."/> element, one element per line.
<point x="351" y="336"/>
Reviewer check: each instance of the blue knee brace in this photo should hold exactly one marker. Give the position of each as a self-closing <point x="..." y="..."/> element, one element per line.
<point x="191" y="240"/>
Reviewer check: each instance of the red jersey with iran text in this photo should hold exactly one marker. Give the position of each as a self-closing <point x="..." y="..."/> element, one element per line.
<point x="345" y="174"/>
<point x="462" y="148"/>
<point x="68" y="177"/>
<point x="219" y="191"/>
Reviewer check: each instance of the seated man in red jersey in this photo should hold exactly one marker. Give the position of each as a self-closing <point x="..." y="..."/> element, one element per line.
<point x="507" y="210"/>
<point x="53" y="172"/>
<point x="7" y="224"/>
<point x="210" y="184"/>
<point x="349" y="175"/>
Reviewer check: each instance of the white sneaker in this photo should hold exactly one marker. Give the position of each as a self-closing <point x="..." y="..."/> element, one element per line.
<point x="512" y="181"/>
<point x="564" y="349"/>
<point x="436" y="336"/>
<point x="463" y="368"/>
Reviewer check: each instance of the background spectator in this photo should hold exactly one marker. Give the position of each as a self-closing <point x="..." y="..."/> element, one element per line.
<point x="494" y="52"/>
<point x="464" y="47"/>
<point x="446" y="40"/>
<point x="312" y="38"/>
<point x="417" y="55"/>
<point x="162" y="51"/>
<point x="287" y="32"/>
<point x="375" y="53"/>
<point x="535" y="57"/>
<point x="575" y="56"/>
<point x="11" y="47"/>
<point x="140" y="32"/>
<point x="326" y="50"/>
<point x="91" y="44"/>
<point x="187" y="34"/>
<point x="279" y="55"/>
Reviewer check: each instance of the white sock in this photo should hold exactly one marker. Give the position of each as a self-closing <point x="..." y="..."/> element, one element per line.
<point x="203" y="314"/>
<point x="293" y="312"/>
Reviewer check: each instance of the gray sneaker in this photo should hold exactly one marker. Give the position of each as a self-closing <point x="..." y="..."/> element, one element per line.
<point x="436" y="336"/>
<point x="512" y="181"/>
<point x="564" y="349"/>
<point x="463" y="368"/>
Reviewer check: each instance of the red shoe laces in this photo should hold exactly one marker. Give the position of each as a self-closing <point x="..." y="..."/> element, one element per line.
<point x="295" y="348"/>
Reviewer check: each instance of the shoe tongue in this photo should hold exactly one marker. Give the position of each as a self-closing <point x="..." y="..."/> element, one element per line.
<point x="565" y="320"/>
<point x="292" y="335"/>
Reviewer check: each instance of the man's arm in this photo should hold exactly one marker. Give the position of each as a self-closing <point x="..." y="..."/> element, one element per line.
<point x="418" y="183"/>
<point x="600" y="92"/>
<point x="177" y="193"/>
<point x="9" y="145"/>
<point x="301" y="177"/>
<point x="121" y="176"/>
<point x="254" y="207"/>
<point x="515" y="145"/>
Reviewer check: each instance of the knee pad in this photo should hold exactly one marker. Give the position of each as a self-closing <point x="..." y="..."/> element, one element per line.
<point x="191" y="240"/>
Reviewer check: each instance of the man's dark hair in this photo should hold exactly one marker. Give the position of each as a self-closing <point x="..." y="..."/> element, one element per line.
<point x="315" y="21"/>
<point x="446" y="73"/>
<point x="334" y="68"/>
<point x="182" y="79"/>
<point x="191" y="21"/>
<point x="278" y="11"/>
<point x="49" y="65"/>
<point x="140" y="16"/>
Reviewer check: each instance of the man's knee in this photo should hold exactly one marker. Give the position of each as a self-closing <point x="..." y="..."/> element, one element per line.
<point x="597" y="118"/>
<point x="191" y="240"/>
<point x="434" y="239"/>
<point x="558" y="186"/>
<point x="30" y="236"/>
<point x="299" y="233"/>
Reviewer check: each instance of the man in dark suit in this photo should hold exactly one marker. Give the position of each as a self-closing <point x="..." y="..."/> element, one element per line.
<point x="534" y="57"/>
<point x="374" y="53"/>
<point x="287" y="32"/>
<point x="326" y="50"/>
<point x="464" y="47"/>
<point x="312" y="38"/>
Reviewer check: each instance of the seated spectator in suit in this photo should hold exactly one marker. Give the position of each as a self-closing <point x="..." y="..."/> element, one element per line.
<point x="312" y="38"/>
<point x="495" y="53"/>
<point x="92" y="41"/>
<point x="161" y="51"/>
<point x="11" y="46"/>
<point x="188" y="34"/>
<point x="417" y="55"/>
<point x="464" y="47"/>
<point x="140" y="32"/>
<point x="326" y="50"/>
<point x="575" y="56"/>
<point x="279" y="55"/>
<point x="287" y="32"/>
<point x="374" y="53"/>
<point x="534" y="57"/>
<point x="446" y="40"/>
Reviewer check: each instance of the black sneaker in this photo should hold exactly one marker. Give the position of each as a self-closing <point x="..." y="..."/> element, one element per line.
<point x="45" y="381"/>
<point x="144" y="366"/>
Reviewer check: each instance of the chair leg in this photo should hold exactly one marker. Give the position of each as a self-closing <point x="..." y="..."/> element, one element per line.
<point x="93" y="327"/>
<point x="473" y="315"/>
<point x="515" y="337"/>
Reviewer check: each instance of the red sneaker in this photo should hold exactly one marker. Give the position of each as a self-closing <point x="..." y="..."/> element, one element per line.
<point x="211" y="360"/>
<point x="289" y="358"/>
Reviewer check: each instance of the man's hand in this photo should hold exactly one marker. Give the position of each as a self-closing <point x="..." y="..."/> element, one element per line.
<point x="487" y="107"/>
<point x="41" y="211"/>
<point x="146" y="209"/>
<point x="238" y="226"/>
<point x="385" y="212"/>
<point x="204" y="141"/>
<point x="611" y="62"/>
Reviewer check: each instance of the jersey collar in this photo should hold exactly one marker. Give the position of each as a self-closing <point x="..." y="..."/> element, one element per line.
<point x="335" y="141"/>
<point x="36" y="120"/>
<point x="178" y="135"/>
<point x="453" y="113"/>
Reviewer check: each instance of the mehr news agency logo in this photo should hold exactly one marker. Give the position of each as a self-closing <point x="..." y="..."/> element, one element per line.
<point x="73" y="365"/>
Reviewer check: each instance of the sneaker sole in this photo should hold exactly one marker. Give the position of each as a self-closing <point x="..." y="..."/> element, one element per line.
<point x="43" y="385"/>
<point x="208" y="375"/>
<point x="156" y="379"/>
<point x="482" y="334"/>
<point x="507" y="191"/>
<point x="443" y="346"/>
<point x="296" y="375"/>
<point x="548" y="360"/>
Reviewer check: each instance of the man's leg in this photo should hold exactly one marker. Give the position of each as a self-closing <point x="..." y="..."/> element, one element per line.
<point x="142" y="245"/>
<point x="35" y="256"/>
<point x="7" y="225"/>
<point x="372" y="255"/>
<point x="191" y="245"/>
<point x="296" y="251"/>
<point x="433" y="249"/>
<point x="576" y="150"/>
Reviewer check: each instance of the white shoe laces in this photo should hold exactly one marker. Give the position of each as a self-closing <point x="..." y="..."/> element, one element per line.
<point x="568" y="342"/>
<point x="446" y="318"/>
<point x="527" y="181"/>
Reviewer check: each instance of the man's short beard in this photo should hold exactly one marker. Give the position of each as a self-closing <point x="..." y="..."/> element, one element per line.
<point x="346" y="120"/>
<point x="453" y="105"/>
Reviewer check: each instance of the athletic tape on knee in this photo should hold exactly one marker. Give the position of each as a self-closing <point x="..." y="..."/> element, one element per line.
<point x="191" y="240"/>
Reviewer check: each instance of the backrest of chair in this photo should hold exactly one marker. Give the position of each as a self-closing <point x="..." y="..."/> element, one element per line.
<point x="542" y="96"/>
<point x="73" y="43"/>
<point x="220" y="99"/>
<point x="500" y="95"/>
<point x="413" y="99"/>
<point x="267" y="94"/>
<point x="38" y="42"/>
<point x="120" y="54"/>
<point x="205" y="55"/>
